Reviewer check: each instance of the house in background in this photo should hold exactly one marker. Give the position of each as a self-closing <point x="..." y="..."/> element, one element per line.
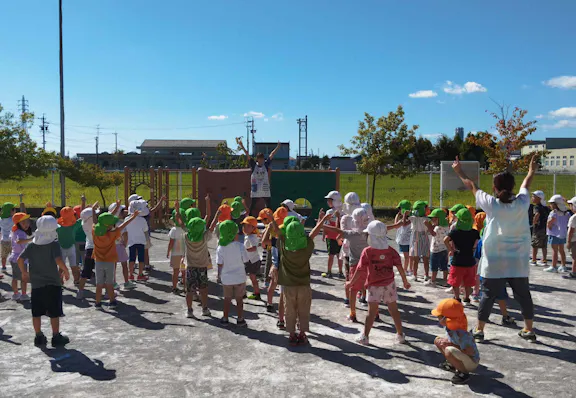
<point x="561" y="156"/>
<point x="344" y="163"/>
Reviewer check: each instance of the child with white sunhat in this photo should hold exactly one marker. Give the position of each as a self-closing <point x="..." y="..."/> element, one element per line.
<point x="369" y="211"/>
<point x="557" y="229"/>
<point x="334" y="201"/>
<point x="571" y="239"/>
<point x="290" y="206"/>
<point x="351" y="203"/>
<point x="539" y="216"/>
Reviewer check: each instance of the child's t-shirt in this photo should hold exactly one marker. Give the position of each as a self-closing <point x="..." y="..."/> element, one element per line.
<point x="464" y="339"/>
<point x="251" y="241"/>
<point x="357" y="242"/>
<point x="87" y="228"/>
<point x="197" y="254"/>
<point x="17" y="248"/>
<point x="418" y="224"/>
<point x="137" y="231"/>
<point x="66" y="236"/>
<point x="42" y="265"/>
<point x="294" y="265"/>
<point x="177" y="234"/>
<point x="464" y="242"/>
<point x="572" y="224"/>
<point x="378" y="264"/>
<point x="6" y="225"/>
<point x="437" y="244"/>
<point x="79" y="235"/>
<point x="232" y="257"/>
<point x="105" y="246"/>
<point x="560" y="227"/>
<point x="403" y="235"/>
<point x="333" y="222"/>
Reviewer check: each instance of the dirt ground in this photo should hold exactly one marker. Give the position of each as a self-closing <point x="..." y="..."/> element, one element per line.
<point x="149" y="348"/>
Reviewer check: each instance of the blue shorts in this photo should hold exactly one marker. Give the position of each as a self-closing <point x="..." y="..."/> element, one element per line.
<point x="439" y="261"/>
<point x="503" y="295"/>
<point x="404" y="248"/>
<point x="554" y="240"/>
<point x="136" y="251"/>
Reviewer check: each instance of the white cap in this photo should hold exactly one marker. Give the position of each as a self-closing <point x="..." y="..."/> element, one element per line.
<point x="86" y="214"/>
<point x="112" y="207"/>
<point x="334" y="195"/>
<point x="556" y="199"/>
<point x="540" y="195"/>
<point x="134" y="197"/>
<point x="572" y="201"/>
<point x="289" y="204"/>
<point x="376" y="228"/>
<point x="352" y="198"/>
<point x="46" y="224"/>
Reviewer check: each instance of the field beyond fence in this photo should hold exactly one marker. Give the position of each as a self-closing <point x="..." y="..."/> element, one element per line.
<point x="389" y="191"/>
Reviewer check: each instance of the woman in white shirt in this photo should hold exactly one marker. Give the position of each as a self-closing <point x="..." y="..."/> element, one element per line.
<point x="506" y="245"/>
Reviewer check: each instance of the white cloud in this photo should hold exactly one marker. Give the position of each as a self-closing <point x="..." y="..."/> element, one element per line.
<point x="432" y="136"/>
<point x="255" y="115"/>
<point x="467" y="88"/>
<point x="563" y="112"/>
<point x="278" y="116"/>
<point x="423" y="94"/>
<point x="441" y="102"/>
<point x="560" y="124"/>
<point x="265" y="119"/>
<point x="563" y="82"/>
<point x="539" y="116"/>
<point x="218" y="117"/>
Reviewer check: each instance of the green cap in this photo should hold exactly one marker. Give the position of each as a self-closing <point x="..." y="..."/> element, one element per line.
<point x="404" y="205"/>
<point x="295" y="237"/>
<point x="457" y="208"/>
<point x="420" y="208"/>
<point x="191" y="213"/>
<point x="187" y="203"/>
<point x="196" y="227"/>
<point x="465" y="220"/>
<point x="7" y="209"/>
<point x="104" y="221"/>
<point x="228" y="231"/>
<point x="440" y="215"/>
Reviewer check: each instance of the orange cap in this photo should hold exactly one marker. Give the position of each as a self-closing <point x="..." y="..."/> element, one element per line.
<point x="472" y="210"/>
<point x="453" y="311"/>
<point x="19" y="217"/>
<point x="225" y="213"/>
<point x="280" y="214"/>
<point x="263" y="215"/>
<point x="77" y="211"/>
<point x="67" y="217"/>
<point x="479" y="220"/>
<point x="251" y="221"/>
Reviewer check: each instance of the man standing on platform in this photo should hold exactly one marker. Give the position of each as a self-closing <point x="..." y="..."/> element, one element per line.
<point x="260" y="178"/>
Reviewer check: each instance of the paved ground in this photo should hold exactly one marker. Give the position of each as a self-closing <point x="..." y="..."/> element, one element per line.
<point x="148" y="348"/>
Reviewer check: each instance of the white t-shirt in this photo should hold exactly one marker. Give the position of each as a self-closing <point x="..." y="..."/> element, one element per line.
<point x="572" y="224"/>
<point x="6" y="225"/>
<point x="418" y="224"/>
<point x="293" y="213"/>
<point x="87" y="228"/>
<point x="437" y="244"/>
<point x="232" y="258"/>
<point x="251" y="241"/>
<point x="403" y="235"/>
<point x="137" y="231"/>
<point x="177" y="234"/>
<point x="506" y="242"/>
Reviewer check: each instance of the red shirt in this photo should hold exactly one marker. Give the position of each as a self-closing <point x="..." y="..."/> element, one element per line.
<point x="379" y="265"/>
<point x="333" y="222"/>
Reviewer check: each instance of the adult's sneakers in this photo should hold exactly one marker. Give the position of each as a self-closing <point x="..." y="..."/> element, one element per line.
<point x="551" y="269"/>
<point x="527" y="335"/>
<point x="40" y="340"/>
<point x="478" y="335"/>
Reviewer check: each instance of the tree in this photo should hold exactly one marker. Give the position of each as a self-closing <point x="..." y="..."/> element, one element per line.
<point x="381" y="145"/>
<point x="325" y="162"/>
<point x="511" y="136"/>
<point x="226" y="159"/>
<point x="473" y="152"/>
<point x="90" y="175"/>
<point x="447" y="148"/>
<point x="423" y="152"/>
<point x="19" y="153"/>
<point x="315" y="162"/>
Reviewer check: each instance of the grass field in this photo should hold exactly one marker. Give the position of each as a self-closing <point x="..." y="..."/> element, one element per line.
<point x="389" y="191"/>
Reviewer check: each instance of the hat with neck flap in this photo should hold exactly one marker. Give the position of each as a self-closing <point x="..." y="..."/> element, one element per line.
<point x="236" y="209"/>
<point x="351" y="202"/>
<point x="7" y="209"/>
<point x="440" y="215"/>
<point x="361" y="219"/>
<point x="187" y="203"/>
<point x="67" y="218"/>
<point x="196" y="227"/>
<point x="296" y="238"/>
<point x="420" y="208"/>
<point x="404" y="205"/>
<point x="228" y="231"/>
<point x="347" y="222"/>
<point x="369" y="211"/>
<point x="280" y="214"/>
<point x="377" y="235"/>
<point x="465" y="220"/>
<point x="287" y="221"/>
<point x="49" y="209"/>
<point x="182" y="216"/>
<point x="104" y="221"/>
<point x="225" y="213"/>
<point x="191" y="213"/>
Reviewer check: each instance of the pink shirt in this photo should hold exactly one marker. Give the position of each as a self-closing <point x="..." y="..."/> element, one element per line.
<point x="379" y="265"/>
<point x="17" y="248"/>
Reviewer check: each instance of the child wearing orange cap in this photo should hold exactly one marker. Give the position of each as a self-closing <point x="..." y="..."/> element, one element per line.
<point x="250" y="229"/>
<point x="67" y="241"/>
<point x="266" y="257"/>
<point x="20" y="236"/>
<point x="458" y="346"/>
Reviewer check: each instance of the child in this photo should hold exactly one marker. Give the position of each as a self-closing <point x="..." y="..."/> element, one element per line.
<point x="461" y="243"/>
<point x="438" y="250"/>
<point x="351" y="203"/>
<point x="88" y="265"/>
<point x="49" y="210"/>
<point x="290" y="205"/>
<point x="266" y="258"/>
<point x="346" y="224"/>
<point x="404" y="234"/>
<point x="250" y="229"/>
<point x="176" y="249"/>
<point x="80" y="236"/>
<point x="6" y="224"/>
<point x="121" y="246"/>
<point x="21" y="235"/>
<point x="458" y="347"/>
<point x="557" y="229"/>
<point x="137" y="238"/>
<point x="67" y="240"/>
<point x="540" y="215"/>
<point x="368" y="208"/>
<point x="231" y="257"/>
<point x="44" y="262"/>
<point x="378" y="261"/>
<point x="238" y="214"/>
<point x="571" y="239"/>
<point x="105" y="234"/>
<point x="149" y="212"/>
<point x="332" y="244"/>
<point x="419" y="241"/>
<point x="294" y="274"/>
<point x="271" y="237"/>
<point x="452" y="215"/>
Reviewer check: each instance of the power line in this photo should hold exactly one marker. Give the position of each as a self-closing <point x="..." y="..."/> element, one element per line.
<point x="151" y="128"/>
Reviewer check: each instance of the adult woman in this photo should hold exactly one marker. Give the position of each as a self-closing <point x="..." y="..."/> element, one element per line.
<point x="506" y="245"/>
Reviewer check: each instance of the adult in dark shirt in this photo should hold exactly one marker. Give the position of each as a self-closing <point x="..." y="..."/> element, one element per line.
<point x="538" y="218"/>
<point x="260" y="177"/>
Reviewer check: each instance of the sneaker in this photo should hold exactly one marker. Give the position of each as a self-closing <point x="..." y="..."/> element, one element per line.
<point x="478" y="335"/>
<point x="551" y="269"/>
<point x="175" y="291"/>
<point x="341" y="275"/>
<point x="430" y="283"/>
<point x="116" y="286"/>
<point x="224" y="321"/>
<point x="476" y="298"/>
<point x="270" y="308"/>
<point x="128" y="286"/>
<point x="241" y="323"/>
<point x="508" y="321"/>
<point x="40" y="340"/>
<point x="3" y="268"/>
<point x="16" y="296"/>
<point x="467" y="301"/>
<point x="352" y="318"/>
<point x="79" y="294"/>
<point x="327" y="275"/>
<point x="533" y="263"/>
<point x="190" y="313"/>
<point x="98" y="305"/>
<point x="59" y="340"/>
<point x="542" y="263"/>
<point x="131" y="278"/>
<point x="362" y="340"/>
<point x="254" y="297"/>
<point x="362" y="300"/>
<point x="24" y="297"/>
<point x="302" y="339"/>
<point x="449" y="290"/>
<point x="562" y="269"/>
<point x="206" y="312"/>
<point x="148" y="267"/>
<point x="426" y="278"/>
<point x="281" y="325"/>
<point x="346" y="303"/>
<point x="447" y="366"/>
<point x="113" y="305"/>
<point x="142" y="278"/>
<point x="570" y="275"/>
<point x="460" y="378"/>
<point x="400" y="339"/>
<point x="293" y="340"/>
<point x="528" y="336"/>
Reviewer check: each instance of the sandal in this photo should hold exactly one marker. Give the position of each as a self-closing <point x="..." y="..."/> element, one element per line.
<point x="302" y="339"/>
<point x="281" y="325"/>
<point x="447" y="366"/>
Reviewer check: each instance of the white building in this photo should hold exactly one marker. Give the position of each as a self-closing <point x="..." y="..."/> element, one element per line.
<point x="561" y="156"/>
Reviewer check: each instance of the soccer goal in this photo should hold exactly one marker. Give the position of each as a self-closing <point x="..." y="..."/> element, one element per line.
<point x="449" y="181"/>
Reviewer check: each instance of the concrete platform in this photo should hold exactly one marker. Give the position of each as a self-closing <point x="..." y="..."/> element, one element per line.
<point x="148" y="348"/>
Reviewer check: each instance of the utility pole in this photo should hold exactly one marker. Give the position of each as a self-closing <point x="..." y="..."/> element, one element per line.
<point x="62" y="147"/>
<point x="97" y="138"/>
<point x="23" y="108"/>
<point x="249" y="129"/>
<point x="44" y="130"/>
<point x="116" y="141"/>
<point x="302" y="139"/>
<point x="116" y="155"/>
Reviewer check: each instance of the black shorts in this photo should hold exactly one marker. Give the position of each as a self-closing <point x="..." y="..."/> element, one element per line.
<point x="333" y="247"/>
<point x="196" y="278"/>
<point x="88" y="266"/>
<point x="47" y="301"/>
<point x="252" y="268"/>
<point x="136" y="251"/>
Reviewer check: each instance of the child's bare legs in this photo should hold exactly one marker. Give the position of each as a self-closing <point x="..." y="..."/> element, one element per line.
<point x="545" y="254"/>
<point x="110" y="291"/>
<point x="281" y="308"/>
<point x="254" y="281"/>
<point x="442" y="343"/>
<point x="555" y="255"/>
<point x="534" y="254"/>
<point x="434" y="275"/>
<point x="140" y="269"/>
<point x="131" y="268"/>
<point x="146" y="257"/>
<point x="99" y="293"/>
<point x="203" y="298"/>
<point x="426" y="261"/>
<point x="183" y="274"/>
<point x="476" y="291"/>
<point x="503" y="308"/>
<point x="240" y="307"/>
<point x="353" y="294"/>
<point x="414" y="265"/>
<point x="562" y="255"/>
<point x="330" y="263"/>
<point x="271" y="290"/>
<point x="75" y="273"/>
<point x="467" y="292"/>
<point x="175" y="273"/>
<point x="37" y="323"/>
<point x="406" y="261"/>
<point x="4" y="262"/>
<point x="14" y="286"/>
<point x="372" y="314"/>
<point x="226" y="310"/>
<point x="340" y="265"/>
<point x="395" y="314"/>
<point x="125" y="272"/>
<point x="189" y="299"/>
<point x="445" y="275"/>
<point x="456" y="290"/>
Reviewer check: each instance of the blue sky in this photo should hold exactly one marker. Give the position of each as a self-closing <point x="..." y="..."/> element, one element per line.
<point x="151" y="69"/>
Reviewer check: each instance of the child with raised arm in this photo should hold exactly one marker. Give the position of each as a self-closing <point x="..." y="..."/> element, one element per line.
<point x="44" y="264"/>
<point x="21" y="235"/>
<point x="176" y="250"/>
<point x="404" y="233"/>
<point x="377" y="262"/>
<point x="122" y="246"/>
<point x="67" y="240"/>
<point x="88" y="264"/>
<point x="270" y="237"/>
<point x="419" y="240"/>
<point x="438" y="229"/>
<point x="138" y="236"/>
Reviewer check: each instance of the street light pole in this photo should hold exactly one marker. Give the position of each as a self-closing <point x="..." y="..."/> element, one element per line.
<point x="62" y="147"/>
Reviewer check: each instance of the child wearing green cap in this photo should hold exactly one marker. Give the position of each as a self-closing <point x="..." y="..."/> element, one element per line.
<point x="438" y="229"/>
<point x="419" y="240"/>
<point x="6" y="224"/>
<point x="461" y="243"/>
<point x="175" y="252"/>
<point x="404" y="233"/>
